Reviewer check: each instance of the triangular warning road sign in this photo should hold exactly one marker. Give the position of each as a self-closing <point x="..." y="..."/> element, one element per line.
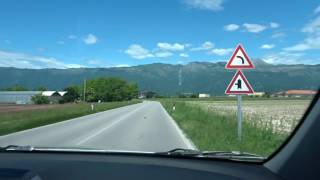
<point x="239" y="60"/>
<point x="239" y="85"/>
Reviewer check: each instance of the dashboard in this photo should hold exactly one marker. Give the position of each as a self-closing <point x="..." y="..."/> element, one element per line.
<point x="44" y="165"/>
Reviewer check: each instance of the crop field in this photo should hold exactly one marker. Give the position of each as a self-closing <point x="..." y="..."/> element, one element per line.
<point x="278" y="115"/>
<point x="212" y="125"/>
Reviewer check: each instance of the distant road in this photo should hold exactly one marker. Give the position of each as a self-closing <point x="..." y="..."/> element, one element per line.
<point x="140" y="127"/>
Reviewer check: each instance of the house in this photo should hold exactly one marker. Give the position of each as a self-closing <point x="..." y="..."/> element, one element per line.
<point x="17" y="97"/>
<point x="295" y="93"/>
<point x="257" y="94"/>
<point x="24" y="97"/>
<point x="202" y="95"/>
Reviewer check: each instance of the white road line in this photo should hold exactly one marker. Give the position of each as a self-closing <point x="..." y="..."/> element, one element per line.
<point x="61" y="122"/>
<point x="184" y="138"/>
<point x="109" y="126"/>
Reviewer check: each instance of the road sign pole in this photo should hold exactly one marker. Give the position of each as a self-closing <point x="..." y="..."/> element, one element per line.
<point x="239" y="116"/>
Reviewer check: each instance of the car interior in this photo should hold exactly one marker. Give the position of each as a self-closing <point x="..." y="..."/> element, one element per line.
<point x="297" y="158"/>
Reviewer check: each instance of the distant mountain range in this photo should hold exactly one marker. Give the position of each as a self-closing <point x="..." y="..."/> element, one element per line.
<point x="167" y="79"/>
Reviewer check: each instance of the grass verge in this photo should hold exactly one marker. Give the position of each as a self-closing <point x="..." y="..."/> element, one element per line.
<point x="216" y="132"/>
<point x="18" y="121"/>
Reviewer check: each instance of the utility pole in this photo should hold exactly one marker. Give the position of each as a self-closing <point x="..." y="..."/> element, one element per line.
<point x="84" y="90"/>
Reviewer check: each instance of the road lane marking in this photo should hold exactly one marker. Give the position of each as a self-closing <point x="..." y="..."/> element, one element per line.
<point x="110" y="125"/>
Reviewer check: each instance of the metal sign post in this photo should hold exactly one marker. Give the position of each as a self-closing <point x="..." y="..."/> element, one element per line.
<point x="239" y="116"/>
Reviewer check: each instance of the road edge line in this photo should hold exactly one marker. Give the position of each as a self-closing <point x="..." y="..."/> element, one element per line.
<point x="187" y="141"/>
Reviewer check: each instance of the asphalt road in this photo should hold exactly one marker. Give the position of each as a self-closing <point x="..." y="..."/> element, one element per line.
<point x="140" y="127"/>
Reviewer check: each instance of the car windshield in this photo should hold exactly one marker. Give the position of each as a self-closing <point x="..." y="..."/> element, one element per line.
<point x="201" y="78"/>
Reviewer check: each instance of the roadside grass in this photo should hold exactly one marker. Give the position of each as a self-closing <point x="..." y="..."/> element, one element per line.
<point x="18" y="121"/>
<point x="211" y="131"/>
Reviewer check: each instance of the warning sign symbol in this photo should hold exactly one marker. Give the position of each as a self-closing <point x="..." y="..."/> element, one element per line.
<point x="239" y="60"/>
<point x="239" y="85"/>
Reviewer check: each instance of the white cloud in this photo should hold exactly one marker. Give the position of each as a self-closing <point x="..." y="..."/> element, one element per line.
<point x="94" y="62"/>
<point x="170" y="47"/>
<point x="21" y="60"/>
<point x="287" y="58"/>
<point x="317" y="10"/>
<point x="136" y="51"/>
<point x="312" y="40"/>
<point x="274" y="25"/>
<point x="122" y="65"/>
<point x="278" y="35"/>
<point x="231" y="27"/>
<point x="221" y="51"/>
<point x="90" y="39"/>
<point x="163" y="54"/>
<point x="60" y="42"/>
<point x="267" y="46"/>
<point x="254" y="28"/>
<point x="213" y="5"/>
<point x="72" y="36"/>
<point x="204" y="46"/>
<point x="185" y="55"/>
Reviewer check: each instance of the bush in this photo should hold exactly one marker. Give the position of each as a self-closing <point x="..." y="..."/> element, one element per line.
<point x="39" y="99"/>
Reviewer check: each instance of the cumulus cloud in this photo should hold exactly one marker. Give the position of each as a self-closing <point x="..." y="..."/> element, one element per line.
<point x="60" y="42"/>
<point x="221" y="51"/>
<point x="212" y="5"/>
<point x="287" y="58"/>
<point x="90" y="39"/>
<point x="136" y="51"/>
<point x="122" y="65"/>
<point x="204" y="46"/>
<point x="267" y="46"/>
<point x="185" y="55"/>
<point x="170" y="47"/>
<point x="254" y="28"/>
<point x="278" y="35"/>
<point x="21" y="60"/>
<point x="312" y="40"/>
<point x="274" y="25"/>
<point x="231" y="27"/>
<point x="163" y="54"/>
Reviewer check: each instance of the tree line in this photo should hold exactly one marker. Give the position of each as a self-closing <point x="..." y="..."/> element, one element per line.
<point x="104" y="89"/>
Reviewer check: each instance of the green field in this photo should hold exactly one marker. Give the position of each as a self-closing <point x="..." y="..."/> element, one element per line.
<point x="212" y="125"/>
<point x="17" y="121"/>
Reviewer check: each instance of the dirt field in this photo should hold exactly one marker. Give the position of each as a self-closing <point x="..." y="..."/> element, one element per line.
<point x="5" y="108"/>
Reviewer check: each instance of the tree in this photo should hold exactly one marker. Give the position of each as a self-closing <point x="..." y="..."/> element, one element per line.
<point x="71" y="95"/>
<point x="16" y="88"/>
<point x="39" y="99"/>
<point x="110" y="89"/>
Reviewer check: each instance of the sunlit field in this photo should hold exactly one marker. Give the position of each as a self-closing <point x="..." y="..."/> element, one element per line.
<point x="278" y="115"/>
<point x="212" y="125"/>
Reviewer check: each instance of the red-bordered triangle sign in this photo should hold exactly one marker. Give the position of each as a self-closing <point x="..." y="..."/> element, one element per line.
<point x="239" y="85"/>
<point x="239" y="60"/>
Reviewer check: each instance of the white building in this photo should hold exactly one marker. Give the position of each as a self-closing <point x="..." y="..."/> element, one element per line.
<point x="24" y="97"/>
<point x="204" y="95"/>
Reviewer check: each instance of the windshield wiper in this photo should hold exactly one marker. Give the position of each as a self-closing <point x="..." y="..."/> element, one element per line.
<point x="16" y="148"/>
<point x="231" y="155"/>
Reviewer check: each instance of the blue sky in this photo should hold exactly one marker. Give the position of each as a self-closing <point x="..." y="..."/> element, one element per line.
<point x="62" y="34"/>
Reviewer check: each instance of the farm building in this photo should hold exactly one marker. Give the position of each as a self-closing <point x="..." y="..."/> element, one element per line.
<point x="24" y="97"/>
<point x="295" y="93"/>
<point x="258" y="94"/>
<point x="204" y="95"/>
